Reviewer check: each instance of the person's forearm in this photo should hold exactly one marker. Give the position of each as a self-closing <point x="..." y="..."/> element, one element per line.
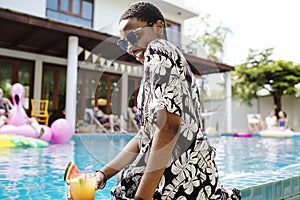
<point x="160" y="154"/>
<point x="125" y="157"/>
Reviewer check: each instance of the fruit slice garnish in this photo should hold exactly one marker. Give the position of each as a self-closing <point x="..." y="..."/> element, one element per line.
<point x="71" y="171"/>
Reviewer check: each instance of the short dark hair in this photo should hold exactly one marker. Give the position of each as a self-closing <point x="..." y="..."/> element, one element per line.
<point x="144" y="11"/>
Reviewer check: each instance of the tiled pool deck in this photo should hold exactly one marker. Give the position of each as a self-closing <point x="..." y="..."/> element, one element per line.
<point x="287" y="189"/>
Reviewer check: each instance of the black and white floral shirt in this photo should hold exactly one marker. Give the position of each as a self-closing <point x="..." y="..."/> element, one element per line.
<point x="169" y="84"/>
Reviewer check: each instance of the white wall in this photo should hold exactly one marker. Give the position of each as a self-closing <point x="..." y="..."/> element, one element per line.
<point x="32" y="7"/>
<point x="180" y="3"/>
<point x="262" y="105"/>
<point x="107" y="14"/>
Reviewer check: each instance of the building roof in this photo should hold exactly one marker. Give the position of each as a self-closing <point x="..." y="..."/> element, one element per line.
<point x="44" y="36"/>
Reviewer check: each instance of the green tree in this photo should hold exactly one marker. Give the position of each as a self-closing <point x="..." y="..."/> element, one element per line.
<point x="260" y="72"/>
<point x="211" y="38"/>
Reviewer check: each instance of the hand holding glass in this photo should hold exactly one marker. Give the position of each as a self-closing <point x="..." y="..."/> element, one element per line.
<point x="83" y="187"/>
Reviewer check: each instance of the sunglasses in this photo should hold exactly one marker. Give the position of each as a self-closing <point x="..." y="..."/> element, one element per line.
<point x="131" y="37"/>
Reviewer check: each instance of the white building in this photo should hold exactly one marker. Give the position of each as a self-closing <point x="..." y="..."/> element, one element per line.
<point x="65" y="51"/>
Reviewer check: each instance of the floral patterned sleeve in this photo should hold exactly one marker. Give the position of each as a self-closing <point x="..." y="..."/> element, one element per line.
<point x="166" y="89"/>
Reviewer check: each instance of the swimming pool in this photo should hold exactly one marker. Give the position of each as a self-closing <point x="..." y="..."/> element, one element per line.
<point x="38" y="173"/>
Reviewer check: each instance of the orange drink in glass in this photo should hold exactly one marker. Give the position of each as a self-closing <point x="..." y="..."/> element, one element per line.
<point x="83" y="187"/>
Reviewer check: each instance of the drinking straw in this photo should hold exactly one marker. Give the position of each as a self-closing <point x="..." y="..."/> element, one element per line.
<point x="85" y="172"/>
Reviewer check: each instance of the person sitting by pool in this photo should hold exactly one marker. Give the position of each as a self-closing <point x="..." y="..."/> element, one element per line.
<point x="103" y="118"/>
<point x="169" y="158"/>
<point x="282" y="122"/>
<point x="136" y="114"/>
<point x="271" y="120"/>
<point x="5" y="104"/>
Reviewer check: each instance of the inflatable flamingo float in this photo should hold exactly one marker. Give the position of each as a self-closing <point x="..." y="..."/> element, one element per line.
<point x="17" y="121"/>
<point x="60" y="131"/>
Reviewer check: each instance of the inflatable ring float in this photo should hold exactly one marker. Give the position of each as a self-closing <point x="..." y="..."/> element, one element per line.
<point x="11" y="140"/>
<point x="211" y="132"/>
<point x="277" y="133"/>
<point x="243" y="135"/>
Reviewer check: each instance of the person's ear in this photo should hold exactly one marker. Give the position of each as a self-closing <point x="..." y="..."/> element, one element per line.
<point x="159" y="23"/>
<point x="159" y="26"/>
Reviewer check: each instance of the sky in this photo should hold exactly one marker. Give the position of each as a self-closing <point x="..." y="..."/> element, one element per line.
<point x="256" y="24"/>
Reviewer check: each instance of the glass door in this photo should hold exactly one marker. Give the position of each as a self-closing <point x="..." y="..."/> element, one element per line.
<point x="54" y="86"/>
<point x="104" y="88"/>
<point x="133" y="89"/>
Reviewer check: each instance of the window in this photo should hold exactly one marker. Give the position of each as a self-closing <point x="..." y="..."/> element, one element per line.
<point x="14" y="70"/>
<point x="99" y="86"/>
<point x="77" y="12"/>
<point x="173" y="32"/>
<point x="79" y="8"/>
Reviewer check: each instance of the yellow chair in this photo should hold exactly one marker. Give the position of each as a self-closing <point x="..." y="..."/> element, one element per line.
<point x="39" y="110"/>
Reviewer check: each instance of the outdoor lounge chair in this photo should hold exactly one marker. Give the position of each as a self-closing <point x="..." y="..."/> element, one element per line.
<point x="132" y="121"/>
<point x="117" y="122"/>
<point x="254" y="122"/>
<point x="89" y="115"/>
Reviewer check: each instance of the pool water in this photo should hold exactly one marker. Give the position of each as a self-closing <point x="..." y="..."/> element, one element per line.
<point x="37" y="173"/>
<point x="246" y="162"/>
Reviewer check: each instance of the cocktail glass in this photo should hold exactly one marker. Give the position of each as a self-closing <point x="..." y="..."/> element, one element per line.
<point x="83" y="188"/>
